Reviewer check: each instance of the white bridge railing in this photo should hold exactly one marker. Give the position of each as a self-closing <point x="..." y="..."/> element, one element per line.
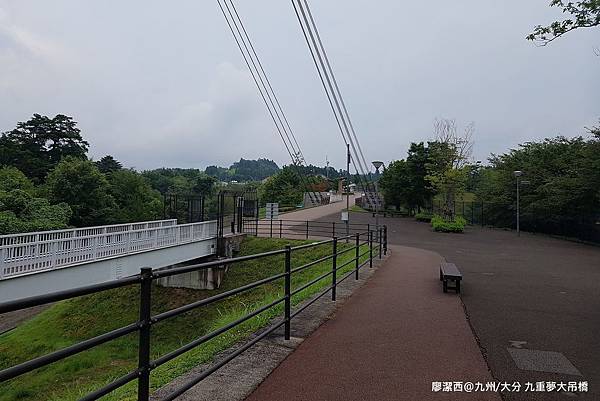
<point x="34" y="252"/>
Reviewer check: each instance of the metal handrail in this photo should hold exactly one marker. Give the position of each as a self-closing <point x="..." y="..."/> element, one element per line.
<point x="33" y="257"/>
<point x="115" y="233"/>
<point x="146" y="321"/>
<point x="65" y="230"/>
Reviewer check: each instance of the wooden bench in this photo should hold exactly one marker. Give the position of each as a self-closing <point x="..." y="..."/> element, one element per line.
<point x="449" y="271"/>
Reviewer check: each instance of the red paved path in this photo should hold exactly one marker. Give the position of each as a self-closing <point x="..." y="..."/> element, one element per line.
<point x="389" y="341"/>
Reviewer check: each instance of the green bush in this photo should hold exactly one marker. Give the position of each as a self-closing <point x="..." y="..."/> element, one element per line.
<point x="448" y="226"/>
<point x="425" y="217"/>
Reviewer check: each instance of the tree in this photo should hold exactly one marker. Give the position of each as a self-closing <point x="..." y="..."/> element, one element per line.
<point x="395" y="184"/>
<point x="284" y="187"/>
<point x="108" y="164"/>
<point x="584" y="14"/>
<point x="449" y="155"/>
<point x="253" y="170"/>
<point x="135" y="199"/>
<point x="81" y="185"/>
<point x="36" y="146"/>
<point x="21" y="212"/>
<point x="416" y="163"/>
<point x="12" y="178"/>
<point x="180" y="181"/>
<point x="204" y="185"/>
<point x="563" y="190"/>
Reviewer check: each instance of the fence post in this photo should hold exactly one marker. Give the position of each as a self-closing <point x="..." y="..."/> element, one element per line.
<point x="385" y="239"/>
<point x="333" y="229"/>
<point x="287" y="290"/>
<point x="357" y="256"/>
<point x="280" y="228"/>
<point x="370" y="248"/>
<point x="271" y="230"/>
<point x="257" y="213"/>
<point x="482" y="224"/>
<point x="380" y="235"/>
<point x="334" y="269"/>
<point x="306" y="229"/>
<point x="144" y="335"/>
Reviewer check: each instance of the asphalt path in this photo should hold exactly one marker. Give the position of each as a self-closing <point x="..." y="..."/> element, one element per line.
<point x="532" y="293"/>
<point x="393" y="338"/>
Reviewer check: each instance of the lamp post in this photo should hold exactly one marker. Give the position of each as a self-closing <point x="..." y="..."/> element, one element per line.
<point x="518" y="174"/>
<point x="347" y="214"/>
<point x="377" y="164"/>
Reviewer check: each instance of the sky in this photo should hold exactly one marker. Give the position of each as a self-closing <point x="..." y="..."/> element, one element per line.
<point x="162" y="84"/>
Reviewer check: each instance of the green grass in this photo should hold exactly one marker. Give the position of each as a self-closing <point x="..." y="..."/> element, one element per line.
<point x="356" y="208"/>
<point x="71" y="321"/>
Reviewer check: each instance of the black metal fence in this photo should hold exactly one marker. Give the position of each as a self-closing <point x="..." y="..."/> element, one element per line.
<point x="234" y="208"/>
<point x="374" y="240"/>
<point x="300" y="229"/>
<point x="582" y="226"/>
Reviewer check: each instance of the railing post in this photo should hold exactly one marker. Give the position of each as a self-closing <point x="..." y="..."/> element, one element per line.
<point x="357" y="253"/>
<point x="144" y="335"/>
<point x="333" y="229"/>
<point x="385" y="240"/>
<point x="271" y="230"/>
<point x="306" y="229"/>
<point x="370" y="248"/>
<point x="380" y="235"/>
<point x="287" y="290"/>
<point x="280" y="229"/>
<point x="482" y="214"/>
<point x="334" y="269"/>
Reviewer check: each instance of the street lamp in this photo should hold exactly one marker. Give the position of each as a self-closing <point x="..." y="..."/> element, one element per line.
<point x="377" y="164"/>
<point x="518" y="174"/>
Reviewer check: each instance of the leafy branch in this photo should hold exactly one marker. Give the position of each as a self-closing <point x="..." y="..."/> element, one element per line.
<point x="584" y="14"/>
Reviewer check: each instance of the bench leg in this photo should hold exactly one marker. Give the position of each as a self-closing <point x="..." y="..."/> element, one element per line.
<point x="445" y="285"/>
<point x="457" y="286"/>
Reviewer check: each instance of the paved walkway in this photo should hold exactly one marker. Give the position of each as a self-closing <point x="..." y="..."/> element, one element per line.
<point x="332" y="210"/>
<point x="392" y="338"/>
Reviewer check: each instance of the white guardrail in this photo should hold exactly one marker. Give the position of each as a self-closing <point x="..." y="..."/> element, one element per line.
<point x="34" y="252"/>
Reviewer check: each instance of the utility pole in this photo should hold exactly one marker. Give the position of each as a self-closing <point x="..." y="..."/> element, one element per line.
<point x="347" y="191"/>
<point x="377" y="164"/>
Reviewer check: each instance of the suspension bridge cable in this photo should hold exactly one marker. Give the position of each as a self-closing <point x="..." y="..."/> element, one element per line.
<point x="298" y="155"/>
<point x="267" y="80"/>
<point x="330" y="93"/>
<point x="292" y="153"/>
<point x="260" y="78"/>
<point x="335" y="83"/>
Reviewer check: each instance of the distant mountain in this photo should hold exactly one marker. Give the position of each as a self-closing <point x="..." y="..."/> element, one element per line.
<point x="257" y="170"/>
<point x="244" y="170"/>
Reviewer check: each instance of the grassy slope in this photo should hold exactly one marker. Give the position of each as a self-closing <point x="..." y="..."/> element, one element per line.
<point x="71" y="321"/>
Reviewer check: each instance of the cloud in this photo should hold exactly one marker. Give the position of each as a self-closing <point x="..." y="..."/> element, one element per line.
<point x="166" y="86"/>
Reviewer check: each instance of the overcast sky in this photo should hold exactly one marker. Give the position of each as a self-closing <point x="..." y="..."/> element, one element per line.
<point x="158" y="83"/>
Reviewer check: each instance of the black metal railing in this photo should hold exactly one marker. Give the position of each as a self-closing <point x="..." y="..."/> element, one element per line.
<point x="374" y="240"/>
<point x="300" y="229"/>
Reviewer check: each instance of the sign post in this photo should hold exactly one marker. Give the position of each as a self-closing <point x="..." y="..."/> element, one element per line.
<point x="272" y="211"/>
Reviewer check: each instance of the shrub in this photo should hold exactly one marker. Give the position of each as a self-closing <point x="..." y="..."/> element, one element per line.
<point x="425" y="217"/>
<point x="448" y="226"/>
